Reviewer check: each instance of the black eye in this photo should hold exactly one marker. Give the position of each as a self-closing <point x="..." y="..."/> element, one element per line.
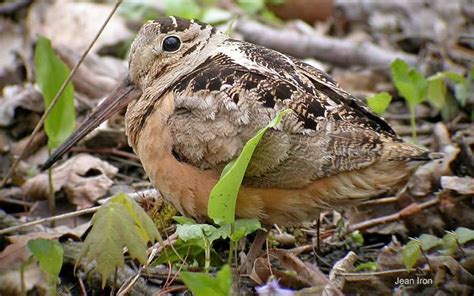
<point x="171" y="43"/>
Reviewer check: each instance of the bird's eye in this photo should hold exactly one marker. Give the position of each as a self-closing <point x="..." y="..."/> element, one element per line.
<point x="171" y="44"/>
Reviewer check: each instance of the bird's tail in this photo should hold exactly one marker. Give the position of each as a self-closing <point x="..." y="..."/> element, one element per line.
<point x="403" y="151"/>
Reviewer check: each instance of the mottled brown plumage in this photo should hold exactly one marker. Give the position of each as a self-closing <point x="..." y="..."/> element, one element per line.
<point x="191" y="110"/>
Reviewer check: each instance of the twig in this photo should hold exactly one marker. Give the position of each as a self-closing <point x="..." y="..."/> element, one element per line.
<point x="379" y="201"/>
<point x="109" y="151"/>
<point x="336" y="51"/>
<point x="16" y="201"/>
<point x="58" y="95"/>
<point x="410" y="210"/>
<point x="50" y="219"/>
<point x="72" y="214"/>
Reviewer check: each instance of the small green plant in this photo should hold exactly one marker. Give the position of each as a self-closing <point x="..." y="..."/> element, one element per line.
<point x="415" y="88"/>
<point x="120" y="223"/>
<point x="367" y="266"/>
<point x="448" y="245"/>
<point x="221" y="208"/>
<point x="411" y="85"/>
<point x="203" y="284"/>
<point x="49" y="254"/>
<point x="51" y="73"/>
<point x="379" y="102"/>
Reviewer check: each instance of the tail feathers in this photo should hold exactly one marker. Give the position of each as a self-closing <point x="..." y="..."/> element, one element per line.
<point x="427" y="156"/>
<point x="409" y="152"/>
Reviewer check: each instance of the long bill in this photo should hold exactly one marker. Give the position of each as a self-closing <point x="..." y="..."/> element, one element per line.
<point x="119" y="98"/>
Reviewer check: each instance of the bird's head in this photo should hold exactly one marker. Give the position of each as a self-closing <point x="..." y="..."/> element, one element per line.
<point x="168" y="48"/>
<point x="164" y="51"/>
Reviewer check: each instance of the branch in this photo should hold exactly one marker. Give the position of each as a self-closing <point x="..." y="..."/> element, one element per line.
<point x="410" y="210"/>
<point x="339" y="52"/>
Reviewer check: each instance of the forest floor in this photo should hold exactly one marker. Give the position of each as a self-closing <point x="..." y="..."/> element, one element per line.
<point x="416" y="241"/>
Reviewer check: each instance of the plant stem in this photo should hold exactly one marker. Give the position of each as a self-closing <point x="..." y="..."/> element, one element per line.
<point x="51" y="199"/>
<point x="231" y="245"/>
<point x="413" y="122"/>
<point x="22" y="278"/>
<point x="207" y="251"/>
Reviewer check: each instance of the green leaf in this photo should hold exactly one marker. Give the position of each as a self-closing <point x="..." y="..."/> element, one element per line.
<point x="49" y="254"/>
<point x="357" y="238"/>
<point x="214" y="15"/>
<point x="51" y="72"/>
<point x="200" y="231"/>
<point x="455" y="77"/>
<point x="410" y="83"/>
<point x="113" y="228"/>
<point x="223" y="197"/>
<point x="144" y="225"/>
<point x="379" y="102"/>
<point x="464" y="234"/>
<point x="251" y="6"/>
<point x="429" y="241"/>
<point x="203" y="284"/>
<point x="437" y="91"/>
<point x="411" y="252"/>
<point x="189" y="250"/>
<point x="138" y="10"/>
<point x="244" y="227"/>
<point x="450" y="242"/>
<point x="183" y="220"/>
<point x="369" y="266"/>
<point x="462" y="87"/>
<point x="183" y="8"/>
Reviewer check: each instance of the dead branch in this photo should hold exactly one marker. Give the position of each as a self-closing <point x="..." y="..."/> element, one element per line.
<point x="410" y="210"/>
<point x="339" y="52"/>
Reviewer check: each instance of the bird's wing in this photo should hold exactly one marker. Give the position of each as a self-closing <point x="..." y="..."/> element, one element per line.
<point x="225" y="100"/>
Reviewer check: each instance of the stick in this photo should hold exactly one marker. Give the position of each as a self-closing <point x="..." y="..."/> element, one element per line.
<point x="410" y="210"/>
<point x="150" y="192"/>
<point x="58" y="95"/>
<point x="336" y="51"/>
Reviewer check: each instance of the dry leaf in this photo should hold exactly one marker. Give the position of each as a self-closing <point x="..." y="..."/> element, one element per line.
<point x="84" y="178"/>
<point x="337" y="281"/>
<point x="26" y="97"/>
<point x="65" y="21"/>
<point x="463" y="185"/>
<point x="305" y="271"/>
<point x="12" y="43"/>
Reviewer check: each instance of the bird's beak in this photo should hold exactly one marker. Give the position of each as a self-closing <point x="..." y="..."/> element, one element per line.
<point x="124" y="93"/>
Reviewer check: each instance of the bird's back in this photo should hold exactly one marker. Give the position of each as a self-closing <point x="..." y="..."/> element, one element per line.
<point x="239" y="89"/>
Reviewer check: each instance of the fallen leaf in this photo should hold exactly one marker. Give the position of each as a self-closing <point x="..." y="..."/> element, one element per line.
<point x="74" y="24"/>
<point x="12" y="43"/>
<point x="304" y="270"/>
<point x="14" y="97"/>
<point x="462" y="185"/>
<point x="337" y="281"/>
<point x="84" y="178"/>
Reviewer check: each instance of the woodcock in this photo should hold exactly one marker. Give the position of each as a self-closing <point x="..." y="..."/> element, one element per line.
<point x="194" y="97"/>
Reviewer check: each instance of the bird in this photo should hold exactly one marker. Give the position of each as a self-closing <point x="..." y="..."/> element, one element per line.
<point x="194" y="96"/>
